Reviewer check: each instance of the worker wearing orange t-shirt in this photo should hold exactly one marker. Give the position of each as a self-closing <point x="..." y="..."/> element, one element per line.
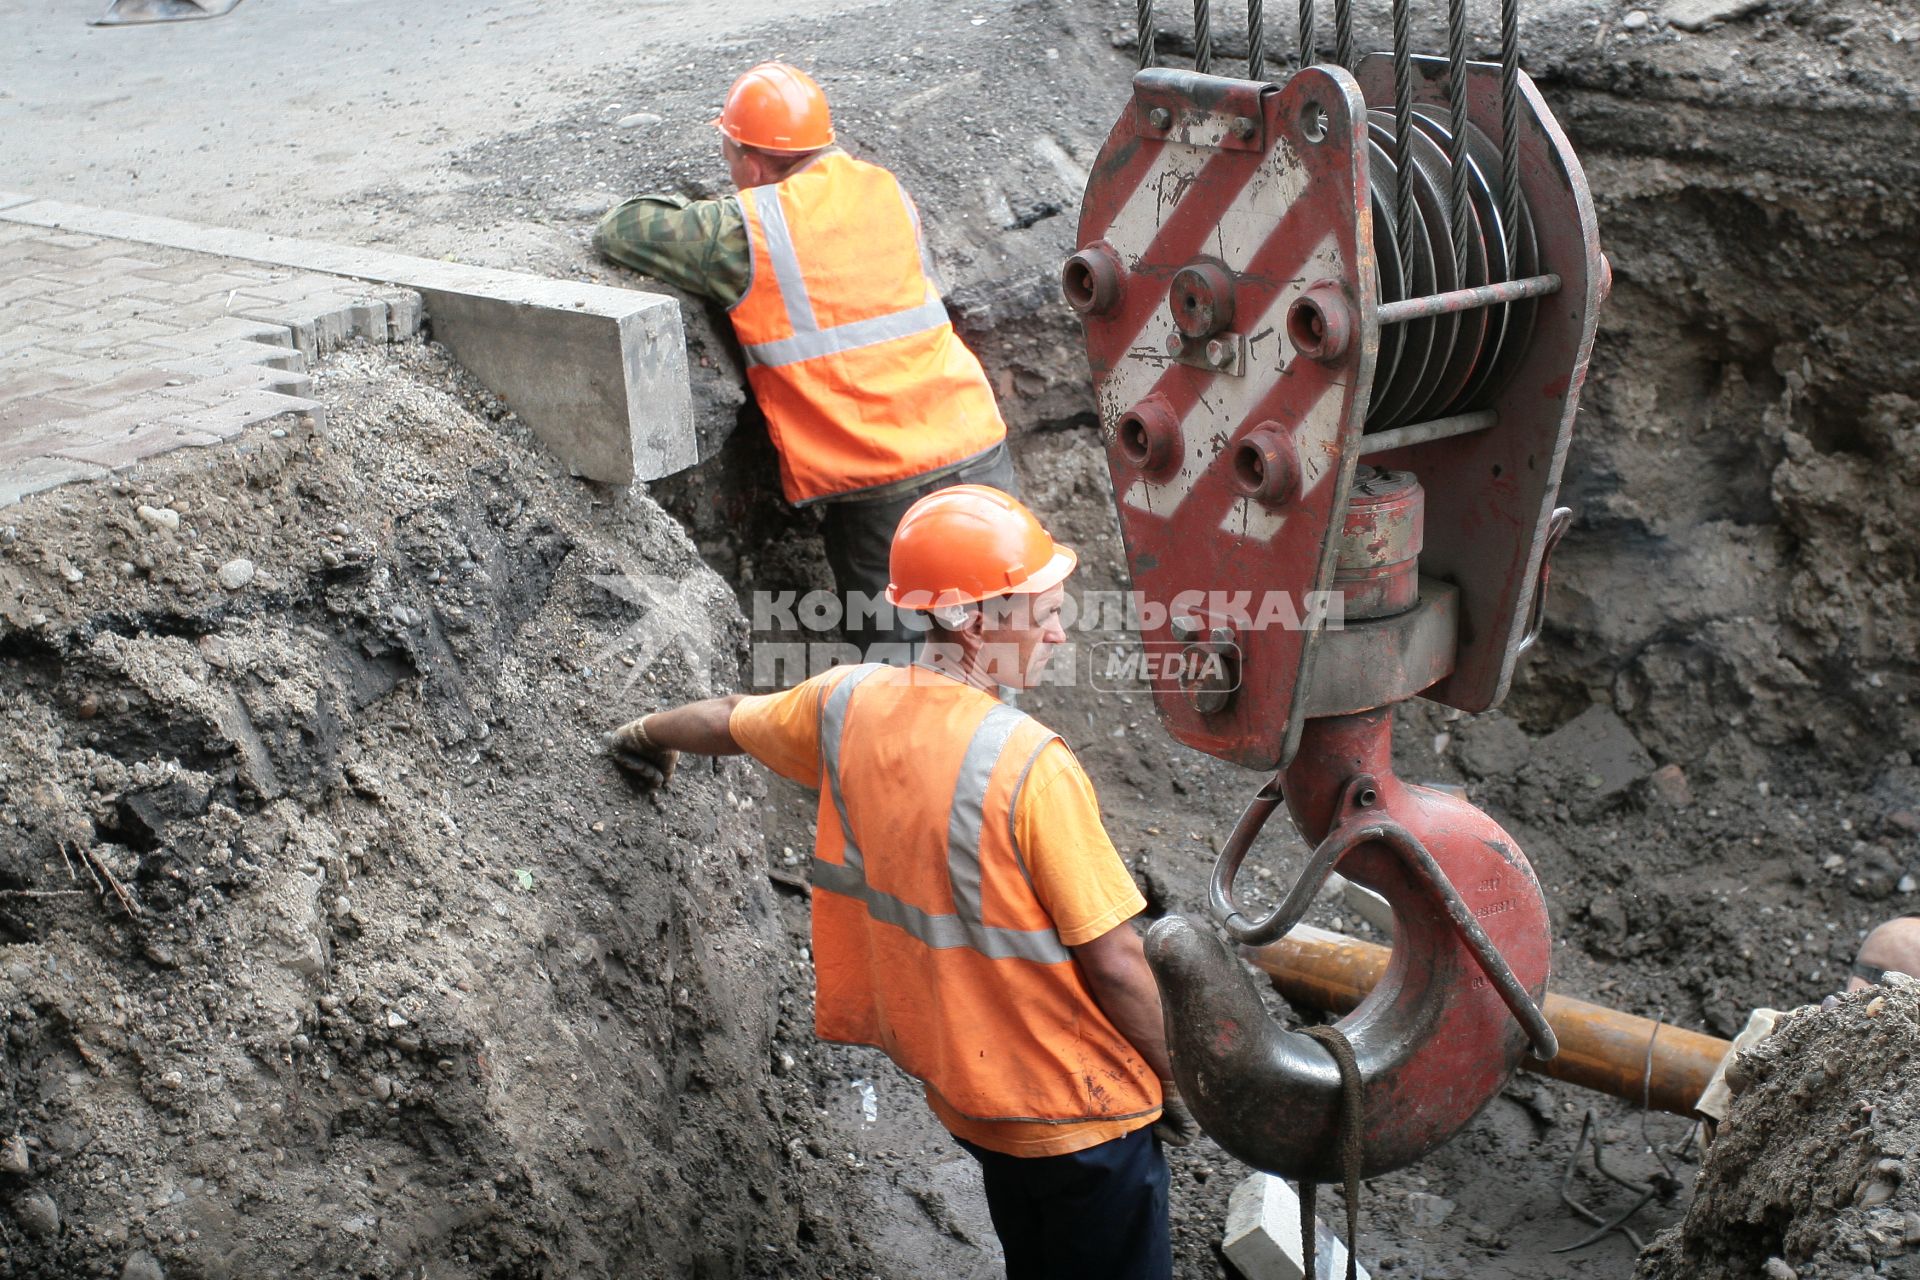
<point x="970" y="915"/>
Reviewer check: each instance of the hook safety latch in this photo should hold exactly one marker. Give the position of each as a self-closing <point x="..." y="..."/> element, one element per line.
<point x="1442" y="1030"/>
<point x="1362" y="827"/>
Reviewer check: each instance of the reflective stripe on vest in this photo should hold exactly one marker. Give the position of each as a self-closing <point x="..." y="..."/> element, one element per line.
<point x="809" y="340"/>
<point x="965" y="823"/>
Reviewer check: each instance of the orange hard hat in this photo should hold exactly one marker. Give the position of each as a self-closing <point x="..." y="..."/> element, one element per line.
<point x="775" y="107"/>
<point x="970" y="542"/>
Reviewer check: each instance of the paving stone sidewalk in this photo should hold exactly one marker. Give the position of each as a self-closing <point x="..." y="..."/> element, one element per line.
<point x="114" y="351"/>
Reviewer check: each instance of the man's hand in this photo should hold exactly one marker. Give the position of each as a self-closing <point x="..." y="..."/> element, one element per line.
<point x="1176" y="1126"/>
<point x="644" y="760"/>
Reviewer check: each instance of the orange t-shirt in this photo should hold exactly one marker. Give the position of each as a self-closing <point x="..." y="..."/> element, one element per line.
<point x="1077" y="875"/>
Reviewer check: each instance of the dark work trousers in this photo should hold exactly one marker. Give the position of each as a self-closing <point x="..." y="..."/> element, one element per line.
<point x="1098" y="1214"/>
<point x="859" y="537"/>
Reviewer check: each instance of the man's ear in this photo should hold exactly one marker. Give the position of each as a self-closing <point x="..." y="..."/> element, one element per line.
<point x="761" y="167"/>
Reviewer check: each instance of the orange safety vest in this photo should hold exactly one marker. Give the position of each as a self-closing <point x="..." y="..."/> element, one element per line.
<point x="928" y="939"/>
<point x="848" y="347"/>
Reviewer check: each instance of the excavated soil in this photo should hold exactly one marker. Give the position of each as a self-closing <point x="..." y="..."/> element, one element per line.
<point x="1814" y="1171"/>
<point x="405" y="981"/>
<point x="332" y="947"/>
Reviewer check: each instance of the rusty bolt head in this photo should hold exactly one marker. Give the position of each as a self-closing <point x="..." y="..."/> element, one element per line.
<point x="1176" y="344"/>
<point x="1160" y="118"/>
<point x="1209" y="702"/>
<point x="1211" y="671"/>
<point x="1186" y="628"/>
<point x="1219" y="352"/>
<point x="1200" y="297"/>
<point x="1242" y="128"/>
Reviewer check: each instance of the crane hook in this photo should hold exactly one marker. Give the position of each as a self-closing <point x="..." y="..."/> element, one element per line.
<point x="1440" y="1033"/>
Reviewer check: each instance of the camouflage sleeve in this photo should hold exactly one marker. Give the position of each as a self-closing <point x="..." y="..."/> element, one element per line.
<point x="696" y="245"/>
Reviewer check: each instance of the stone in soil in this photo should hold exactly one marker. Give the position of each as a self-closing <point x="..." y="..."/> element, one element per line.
<point x="1597" y="749"/>
<point x="1697" y="15"/>
<point x="236" y="573"/>
<point x="37" y="1212"/>
<point x="143" y="1266"/>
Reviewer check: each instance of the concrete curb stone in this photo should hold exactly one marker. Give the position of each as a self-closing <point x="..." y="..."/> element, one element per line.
<point x="598" y="373"/>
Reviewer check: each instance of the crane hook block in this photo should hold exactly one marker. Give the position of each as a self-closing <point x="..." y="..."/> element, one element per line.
<point x="1255" y="329"/>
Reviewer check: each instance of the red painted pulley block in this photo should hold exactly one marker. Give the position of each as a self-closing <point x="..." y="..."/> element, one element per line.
<point x="1254" y="331"/>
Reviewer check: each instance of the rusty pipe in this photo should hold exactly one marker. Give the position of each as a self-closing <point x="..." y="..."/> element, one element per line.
<point x="1486" y="295"/>
<point x="1600" y="1048"/>
<point x="1461" y="424"/>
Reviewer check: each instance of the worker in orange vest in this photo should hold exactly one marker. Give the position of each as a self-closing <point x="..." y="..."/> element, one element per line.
<point x="970" y="915"/>
<point x="871" y="399"/>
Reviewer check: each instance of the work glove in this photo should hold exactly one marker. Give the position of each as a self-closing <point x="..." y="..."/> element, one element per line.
<point x="1176" y="1126"/>
<point x="645" y="761"/>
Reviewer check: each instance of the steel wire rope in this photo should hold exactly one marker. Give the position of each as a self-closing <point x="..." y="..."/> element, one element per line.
<point x="1256" y="40"/>
<point x="1460" y="214"/>
<point x="1403" y="129"/>
<point x="1343" y="33"/>
<point x="1308" y="37"/>
<point x="1203" y="36"/>
<point x="1143" y="19"/>
<point x="1510" y="124"/>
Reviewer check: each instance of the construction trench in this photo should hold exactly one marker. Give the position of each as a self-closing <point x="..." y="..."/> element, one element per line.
<point x="331" y="945"/>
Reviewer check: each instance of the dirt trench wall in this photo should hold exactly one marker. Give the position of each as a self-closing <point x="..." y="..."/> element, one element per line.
<point x="404" y="975"/>
<point x="1742" y="573"/>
